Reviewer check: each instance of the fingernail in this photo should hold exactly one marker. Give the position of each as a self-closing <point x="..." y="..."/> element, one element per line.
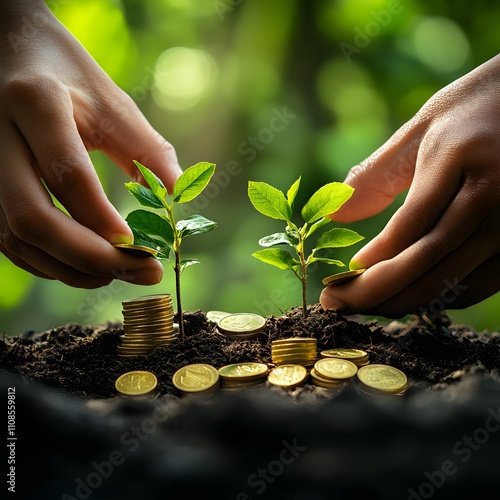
<point x="355" y="264"/>
<point x="121" y="238"/>
<point x="328" y="301"/>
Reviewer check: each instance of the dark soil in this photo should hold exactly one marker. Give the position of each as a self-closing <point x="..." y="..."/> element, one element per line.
<point x="345" y="445"/>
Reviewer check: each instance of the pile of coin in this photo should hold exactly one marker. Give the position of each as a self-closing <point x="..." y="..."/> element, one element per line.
<point x="148" y="322"/>
<point x="356" y="356"/>
<point x="382" y="380"/>
<point x="136" y="383"/>
<point x="197" y="379"/>
<point x="287" y="376"/>
<point x="241" y="326"/>
<point x="239" y="375"/>
<point x="331" y="373"/>
<point x="295" y="350"/>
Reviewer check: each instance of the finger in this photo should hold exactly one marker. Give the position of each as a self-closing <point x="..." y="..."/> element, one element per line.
<point x="62" y="158"/>
<point x="433" y="189"/>
<point x="482" y="283"/>
<point x="386" y="173"/>
<point x="40" y="264"/>
<point x="126" y="135"/>
<point x="389" y="278"/>
<point x="32" y="219"/>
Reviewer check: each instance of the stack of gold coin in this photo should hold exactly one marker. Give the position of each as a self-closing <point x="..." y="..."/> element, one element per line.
<point x="332" y="372"/>
<point x="148" y="322"/>
<point x="197" y="379"/>
<point x="295" y="350"/>
<point x="382" y="379"/>
<point x="241" y="375"/>
<point x="287" y="376"/>
<point x="241" y="326"/>
<point x="357" y="356"/>
<point x="136" y="383"/>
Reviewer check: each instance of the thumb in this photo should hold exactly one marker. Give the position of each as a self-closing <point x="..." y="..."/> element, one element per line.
<point x="381" y="177"/>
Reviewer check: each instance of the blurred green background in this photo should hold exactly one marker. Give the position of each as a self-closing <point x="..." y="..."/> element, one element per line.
<point x="210" y="75"/>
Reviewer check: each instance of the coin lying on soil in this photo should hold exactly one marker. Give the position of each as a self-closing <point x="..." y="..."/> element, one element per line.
<point x="136" y="383"/>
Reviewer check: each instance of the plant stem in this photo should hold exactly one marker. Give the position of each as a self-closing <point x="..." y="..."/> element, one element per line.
<point x="177" y="267"/>
<point x="303" y="277"/>
<point x="180" y="314"/>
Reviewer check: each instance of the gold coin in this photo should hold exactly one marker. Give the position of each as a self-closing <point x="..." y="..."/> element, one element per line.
<point x="294" y="340"/>
<point x="216" y="316"/>
<point x="288" y="376"/>
<point x="324" y="382"/>
<point x="147" y="339"/>
<point x="383" y="377"/>
<point x="243" y="371"/>
<point x="337" y="279"/>
<point x="136" y="250"/>
<point x="145" y="312"/>
<point x="136" y="383"/>
<point x="289" y="357"/>
<point x="148" y="328"/>
<point x="241" y="323"/>
<point x="197" y="377"/>
<point x="147" y="300"/>
<point x="344" y="353"/>
<point x="334" y="368"/>
<point x="295" y="350"/>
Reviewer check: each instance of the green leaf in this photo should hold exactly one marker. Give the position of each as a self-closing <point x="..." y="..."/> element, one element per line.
<point x="187" y="263"/>
<point x="193" y="181"/>
<point x="276" y="257"/>
<point x="156" y="185"/>
<point x="292" y="192"/>
<point x="143" y="239"/>
<point x="326" y="200"/>
<point x="151" y="223"/>
<point x="337" y="238"/>
<point x="325" y="260"/>
<point x="143" y="195"/>
<point x="278" y="239"/>
<point x="318" y="224"/>
<point x="269" y="201"/>
<point x="195" y="224"/>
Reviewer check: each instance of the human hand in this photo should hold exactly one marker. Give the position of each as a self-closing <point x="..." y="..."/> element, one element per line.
<point x="55" y="104"/>
<point x="441" y="249"/>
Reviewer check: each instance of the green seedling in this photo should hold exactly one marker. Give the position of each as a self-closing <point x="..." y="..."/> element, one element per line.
<point x="161" y="231"/>
<point x="326" y="200"/>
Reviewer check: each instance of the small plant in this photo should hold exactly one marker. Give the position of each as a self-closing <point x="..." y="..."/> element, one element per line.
<point x="326" y="200"/>
<point x="161" y="231"/>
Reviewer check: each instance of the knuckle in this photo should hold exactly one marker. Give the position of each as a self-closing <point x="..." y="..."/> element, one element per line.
<point x="26" y="225"/>
<point x="39" y="90"/>
<point x="9" y="241"/>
